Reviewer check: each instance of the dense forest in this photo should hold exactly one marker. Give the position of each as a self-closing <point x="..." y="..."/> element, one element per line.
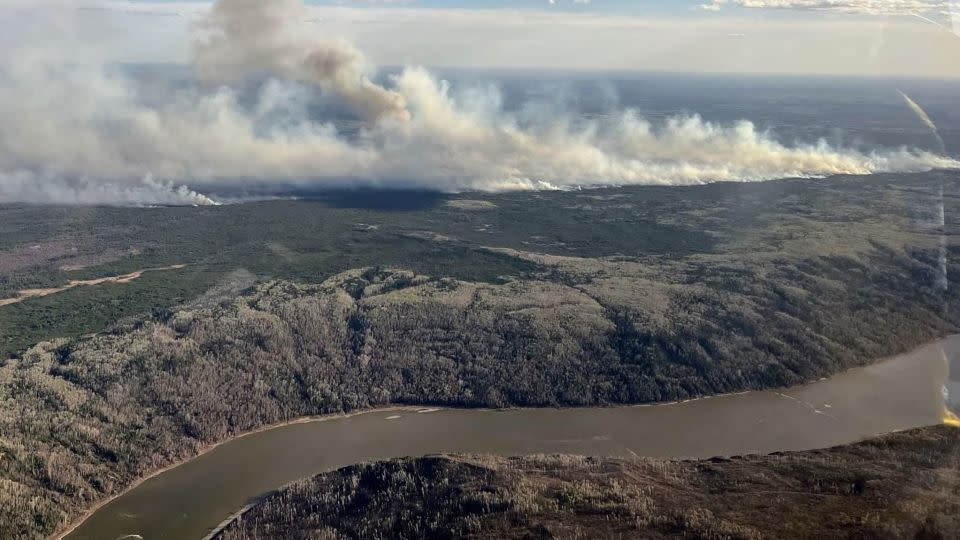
<point x="84" y="418"/>
<point x="290" y="309"/>
<point x="905" y="485"/>
<point x="746" y="227"/>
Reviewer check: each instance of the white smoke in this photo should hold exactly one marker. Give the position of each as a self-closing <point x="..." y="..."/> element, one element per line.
<point x="246" y="36"/>
<point x="26" y="187"/>
<point x="75" y="131"/>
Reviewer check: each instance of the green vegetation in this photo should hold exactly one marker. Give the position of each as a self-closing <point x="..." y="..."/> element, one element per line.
<point x="297" y="308"/>
<point x="309" y="241"/>
<point x="91" y="309"/>
<point x="85" y="310"/>
<point x="905" y="485"/>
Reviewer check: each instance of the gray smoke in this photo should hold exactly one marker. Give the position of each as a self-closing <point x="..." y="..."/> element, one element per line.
<point x="27" y="187"/>
<point x="77" y="130"/>
<point x="248" y="36"/>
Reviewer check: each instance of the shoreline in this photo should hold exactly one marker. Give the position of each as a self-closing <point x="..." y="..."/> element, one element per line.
<point x="75" y="524"/>
<point x="778" y="389"/>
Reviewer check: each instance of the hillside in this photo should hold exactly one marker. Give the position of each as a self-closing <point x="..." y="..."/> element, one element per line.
<point x="905" y="485"/>
<point x="297" y="308"/>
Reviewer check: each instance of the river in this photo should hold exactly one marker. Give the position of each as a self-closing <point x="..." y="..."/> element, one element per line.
<point x="188" y="501"/>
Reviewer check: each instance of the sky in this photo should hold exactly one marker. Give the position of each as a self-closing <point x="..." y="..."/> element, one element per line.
<point x="77" y="130"/>
<point x="852" y="37"/>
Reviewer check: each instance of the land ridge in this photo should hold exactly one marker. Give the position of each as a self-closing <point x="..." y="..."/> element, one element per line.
<point x="298" y="308"/>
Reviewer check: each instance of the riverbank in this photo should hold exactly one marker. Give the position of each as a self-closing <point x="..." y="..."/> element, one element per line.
<point x="897" y="394"/>
<point x="209" y="448"/>
<point x="901" y="485"/>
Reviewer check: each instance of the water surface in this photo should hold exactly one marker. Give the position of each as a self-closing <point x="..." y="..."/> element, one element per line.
<point x="187" y="502"/>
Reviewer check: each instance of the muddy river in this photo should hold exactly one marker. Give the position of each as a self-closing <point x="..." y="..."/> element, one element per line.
<point x="190" y="500"/>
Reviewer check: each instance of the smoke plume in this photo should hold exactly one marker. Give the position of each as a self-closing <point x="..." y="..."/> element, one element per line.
<point x="248" y="36"/>
<point x="76" y="130"/>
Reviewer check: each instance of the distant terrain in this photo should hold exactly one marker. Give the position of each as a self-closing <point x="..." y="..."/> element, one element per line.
<point x="905" y="485"/>
<point x="286" y="309"/>
<point x="720" y="237"/>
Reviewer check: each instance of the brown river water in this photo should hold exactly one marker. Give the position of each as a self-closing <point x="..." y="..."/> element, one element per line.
<point x="190" y="500"/>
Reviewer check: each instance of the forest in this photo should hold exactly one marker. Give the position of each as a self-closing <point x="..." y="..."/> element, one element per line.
<point x="84" y="418"/>
<point x="617" y="296"/>
<point x="310" y="240"/>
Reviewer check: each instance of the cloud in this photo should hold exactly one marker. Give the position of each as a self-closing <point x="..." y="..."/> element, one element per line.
<point x="560" y="38"/>
<point x="76" y="130"/>
<point x="869" y="7"/>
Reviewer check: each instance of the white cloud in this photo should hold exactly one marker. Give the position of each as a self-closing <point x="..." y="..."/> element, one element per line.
<point x="564" y="40"/>
<point x="869" y="7"/>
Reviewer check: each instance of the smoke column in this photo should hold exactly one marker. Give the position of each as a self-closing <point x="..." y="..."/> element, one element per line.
<point x="78" y="130"/>
<point x="247" y="36"/>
